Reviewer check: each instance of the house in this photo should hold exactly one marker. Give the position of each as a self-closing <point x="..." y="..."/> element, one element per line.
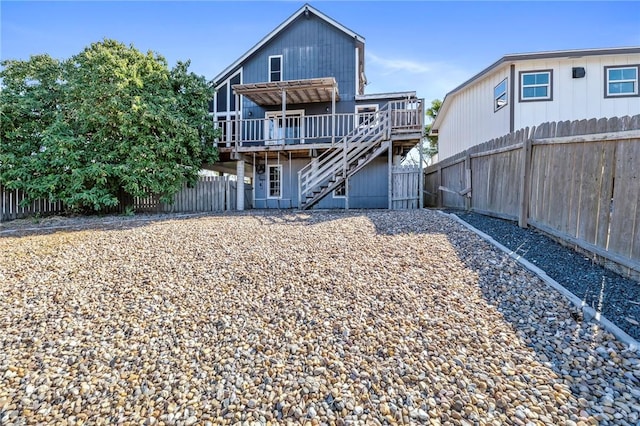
<point x="525" y="90"/>
<point x="296" y="122"/>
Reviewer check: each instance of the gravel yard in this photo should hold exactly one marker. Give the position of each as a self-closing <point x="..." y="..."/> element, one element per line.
<point x="370" y="317"/>
<point x="617" y="297"/>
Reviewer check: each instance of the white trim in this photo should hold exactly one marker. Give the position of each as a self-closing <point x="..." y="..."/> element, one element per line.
<point x="339" y="197"/>
<point x="281" y="67"/>
<point x="229" y="93"/>
<point x="497" y="107"/>
<point x="608" y="81"/>
<point x="268" y="171"/>
<point x="357" y="87"/>
<point x="276" y="114"/>
<point x="281" y="27"/>
<point x="229" y="115"/>
<point x="386" y="96"/>
<point x="547" y="85"/>
<point x="362" y="106"/>
<point x="507" y="60"/>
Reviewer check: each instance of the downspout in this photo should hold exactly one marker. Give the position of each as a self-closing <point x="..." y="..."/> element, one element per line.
<point x="421" y="175"/>
<point x="512" y="100"/>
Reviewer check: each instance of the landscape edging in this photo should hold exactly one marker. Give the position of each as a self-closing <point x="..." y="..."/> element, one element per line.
<point x="588" y="312"/>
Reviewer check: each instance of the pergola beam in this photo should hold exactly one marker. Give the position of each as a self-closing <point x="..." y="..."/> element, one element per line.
<point x="298" y="91"/>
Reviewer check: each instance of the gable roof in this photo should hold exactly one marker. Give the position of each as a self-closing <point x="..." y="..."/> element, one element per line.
<point x="508" y="59"/>
<point x="303" y="10"/>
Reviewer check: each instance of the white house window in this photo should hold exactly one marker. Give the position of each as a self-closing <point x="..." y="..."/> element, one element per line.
<point x="225" y="108"/>
<point x="366" y="115"/>
<point x="500" y="95"/>
<point x="222" y="98"/>
<point x="275" y="68"/>
<point x="536" y="85"/>
<point x="275" y="181"/>
<point x="340" y="191"/>
<point x="621" y="81"/>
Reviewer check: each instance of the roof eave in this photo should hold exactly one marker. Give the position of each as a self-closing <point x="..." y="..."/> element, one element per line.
<point x="277" y="30"/>
<point x="507" y="59"/>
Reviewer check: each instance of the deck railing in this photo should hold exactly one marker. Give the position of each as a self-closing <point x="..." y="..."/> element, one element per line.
<point x="404" y="116"/>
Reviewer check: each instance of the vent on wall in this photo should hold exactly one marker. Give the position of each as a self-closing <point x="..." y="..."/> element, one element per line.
<point x="577" y="72"/>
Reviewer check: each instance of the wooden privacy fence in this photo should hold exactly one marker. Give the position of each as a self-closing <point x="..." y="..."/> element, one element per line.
<point x="210" y="194"/>
<point x="578" y="181"/>
<point x="405" y="191"/>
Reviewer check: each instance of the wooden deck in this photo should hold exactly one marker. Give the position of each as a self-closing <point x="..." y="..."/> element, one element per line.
<point x="317" y="132"/>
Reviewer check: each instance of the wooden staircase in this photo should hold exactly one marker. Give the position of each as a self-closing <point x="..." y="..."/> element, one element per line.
<point x="344" y="159"/>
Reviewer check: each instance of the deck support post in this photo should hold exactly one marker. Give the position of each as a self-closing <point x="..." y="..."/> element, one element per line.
<point x="344" y="173"/>
<point x="421" y="175"/>
<point x="253" y="183"/>
<point x="390" y="171"/>
<point x="333" y="116"/>
<point x="238" y="135"/>
<point x="240" y="185"/>
<point x="284" y="116"/>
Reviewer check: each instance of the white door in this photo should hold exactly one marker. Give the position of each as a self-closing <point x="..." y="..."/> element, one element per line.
<point x="279" y="131"/>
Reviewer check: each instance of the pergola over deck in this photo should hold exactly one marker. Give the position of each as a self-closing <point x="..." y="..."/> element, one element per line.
<point x="273" y="93"/>
<point x="297" y="91"/>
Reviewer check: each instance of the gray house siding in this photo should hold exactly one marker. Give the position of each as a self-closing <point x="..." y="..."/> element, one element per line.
<point x="310" y="48"/>
<point x="368" y="189"/>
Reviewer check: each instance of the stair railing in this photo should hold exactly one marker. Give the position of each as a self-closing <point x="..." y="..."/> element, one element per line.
<point x="366" y="137"/>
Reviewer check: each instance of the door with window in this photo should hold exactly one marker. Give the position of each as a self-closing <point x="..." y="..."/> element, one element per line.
<point x="287" y="131"/>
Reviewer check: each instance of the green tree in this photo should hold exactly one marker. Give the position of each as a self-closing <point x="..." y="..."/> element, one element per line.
<point x="432" y="141"/>
<point x="112" y="123"/>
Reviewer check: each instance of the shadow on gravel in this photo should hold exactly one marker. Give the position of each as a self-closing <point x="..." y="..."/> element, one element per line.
<point x="50" y="225"/>
<point x="614" y="296"/>
<point x="577" y="353"/>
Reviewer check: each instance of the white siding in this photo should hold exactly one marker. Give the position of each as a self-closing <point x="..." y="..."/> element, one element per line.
<point x="470" y="118"/>
<point x="575" y="98"/>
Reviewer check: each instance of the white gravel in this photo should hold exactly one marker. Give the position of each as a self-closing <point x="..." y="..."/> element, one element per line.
<point x="370" y="317"/>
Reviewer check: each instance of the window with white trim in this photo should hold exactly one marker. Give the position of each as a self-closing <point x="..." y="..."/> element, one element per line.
<point x="621" y="81"/>
<point x="536" y="85"/>
<point x="225" y="108"/>
<point x="275" y="181"/>
<point x="500" y="95"/>
<point x="275" y="68"/>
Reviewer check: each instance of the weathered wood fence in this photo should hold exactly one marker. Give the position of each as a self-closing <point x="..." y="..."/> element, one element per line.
<point x="577" y="181"/>
<point x="210" y="194"/>
<point x="405" y="187"/>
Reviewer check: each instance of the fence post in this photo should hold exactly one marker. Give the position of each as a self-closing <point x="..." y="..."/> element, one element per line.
<point x="525" y="180"/>
<point x="227" y="189"/>
<point x="467" y="175"/>
<point x="390" y="171"/>
<point x="438" y="190"/>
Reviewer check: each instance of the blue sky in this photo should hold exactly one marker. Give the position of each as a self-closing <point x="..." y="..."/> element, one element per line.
<point x="430" y="47"/>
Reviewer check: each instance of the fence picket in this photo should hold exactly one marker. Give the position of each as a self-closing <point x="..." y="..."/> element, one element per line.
<point x="570" y="187"/>
<point x="210" y="194"/>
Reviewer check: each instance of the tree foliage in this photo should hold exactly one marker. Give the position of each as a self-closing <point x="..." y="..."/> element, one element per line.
<point x="107" y="124"/>
<point x="432" y="112"/>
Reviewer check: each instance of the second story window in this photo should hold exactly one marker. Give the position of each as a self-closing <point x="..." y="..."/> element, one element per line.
<point x="621" y="81"/>
<point x="275" y="68"/>
<point x="536" y="85"/>
<point x="500" y="95"/>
